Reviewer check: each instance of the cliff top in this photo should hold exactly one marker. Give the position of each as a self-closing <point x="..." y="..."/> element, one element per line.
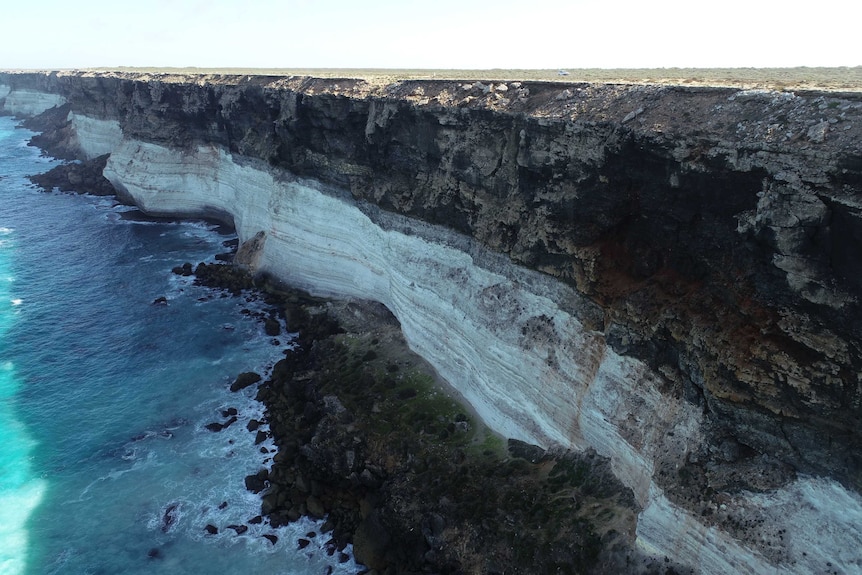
<point x="796" y="79"/>
<point x="757" y="115"/>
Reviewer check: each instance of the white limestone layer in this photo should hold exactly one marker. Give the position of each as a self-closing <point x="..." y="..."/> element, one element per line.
<point x="96" y="137"/>
<point x="29" y="102"/>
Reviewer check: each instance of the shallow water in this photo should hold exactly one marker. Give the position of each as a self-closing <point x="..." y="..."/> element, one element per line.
<point x="105" y="463"/>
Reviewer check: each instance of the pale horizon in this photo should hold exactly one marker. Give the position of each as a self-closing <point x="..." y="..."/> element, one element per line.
<point x="448" y="34"/>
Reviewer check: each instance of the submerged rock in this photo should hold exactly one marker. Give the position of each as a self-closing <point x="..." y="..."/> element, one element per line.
<point x="169" y="517"/>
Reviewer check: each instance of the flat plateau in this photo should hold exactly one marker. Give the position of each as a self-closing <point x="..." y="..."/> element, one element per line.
<point x="841" y="79"/>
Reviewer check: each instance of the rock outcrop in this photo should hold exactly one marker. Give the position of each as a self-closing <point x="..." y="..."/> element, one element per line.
<point x="666" y="275"/>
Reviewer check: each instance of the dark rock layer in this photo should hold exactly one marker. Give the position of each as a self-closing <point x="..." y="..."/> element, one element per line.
<point x="81" y="177"/>
<point x="717" y="228"/>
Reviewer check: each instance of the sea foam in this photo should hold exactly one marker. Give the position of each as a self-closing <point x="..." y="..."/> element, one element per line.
<point x="20" y="490"/>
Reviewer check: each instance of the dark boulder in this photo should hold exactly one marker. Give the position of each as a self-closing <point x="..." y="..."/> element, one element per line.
<point x="272" y="327"/>
<point x="315" y="507"/>
<point x="223" y="276"/>
<point x="271" y="537"/>
<point x="257" y="482"/>
<point x="371" y="543"/>
<point x="215" y="427"/>
<point x="244" y="380"/>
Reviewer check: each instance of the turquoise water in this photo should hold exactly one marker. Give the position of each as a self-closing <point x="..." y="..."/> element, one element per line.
<point x="105" y="464"/>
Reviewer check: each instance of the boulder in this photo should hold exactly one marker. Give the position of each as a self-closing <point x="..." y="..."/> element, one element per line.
<point x="183" y="270"/>
<point x="272" y="327"/>
<point x="315" y="507"/>
<point x="254" y="484"/>
<point x="271" y="537"/>
<point x="371" y="542"/>
<point x="244" y="380"/>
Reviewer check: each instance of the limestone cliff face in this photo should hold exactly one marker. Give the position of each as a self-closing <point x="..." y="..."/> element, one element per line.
<point x="678" y="267"/>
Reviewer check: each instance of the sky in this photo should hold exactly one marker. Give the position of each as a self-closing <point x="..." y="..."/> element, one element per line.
<point x="435" y="34"/>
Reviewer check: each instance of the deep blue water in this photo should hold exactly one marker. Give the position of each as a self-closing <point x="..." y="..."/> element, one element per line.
<point x="104" y="396"/>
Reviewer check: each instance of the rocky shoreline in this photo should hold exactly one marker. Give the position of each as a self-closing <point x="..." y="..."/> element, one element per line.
<point x="370" y="440"/>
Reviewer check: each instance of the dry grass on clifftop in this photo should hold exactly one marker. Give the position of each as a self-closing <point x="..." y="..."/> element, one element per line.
<point x="800" y="78"/>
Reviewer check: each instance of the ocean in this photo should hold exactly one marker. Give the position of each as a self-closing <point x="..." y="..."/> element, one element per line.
<point x="106" y="465"/>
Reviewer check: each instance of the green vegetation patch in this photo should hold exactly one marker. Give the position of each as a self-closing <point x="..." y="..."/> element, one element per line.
<point x="368" y="433"/>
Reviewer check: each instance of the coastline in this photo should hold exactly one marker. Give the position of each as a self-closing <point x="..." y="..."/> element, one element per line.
<point x="610" y="412"/>
<point x="370" y="439"/>
<point x="125" y="472"/>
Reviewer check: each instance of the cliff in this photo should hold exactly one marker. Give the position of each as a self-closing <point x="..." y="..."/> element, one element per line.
<point x="667" y="275"/>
